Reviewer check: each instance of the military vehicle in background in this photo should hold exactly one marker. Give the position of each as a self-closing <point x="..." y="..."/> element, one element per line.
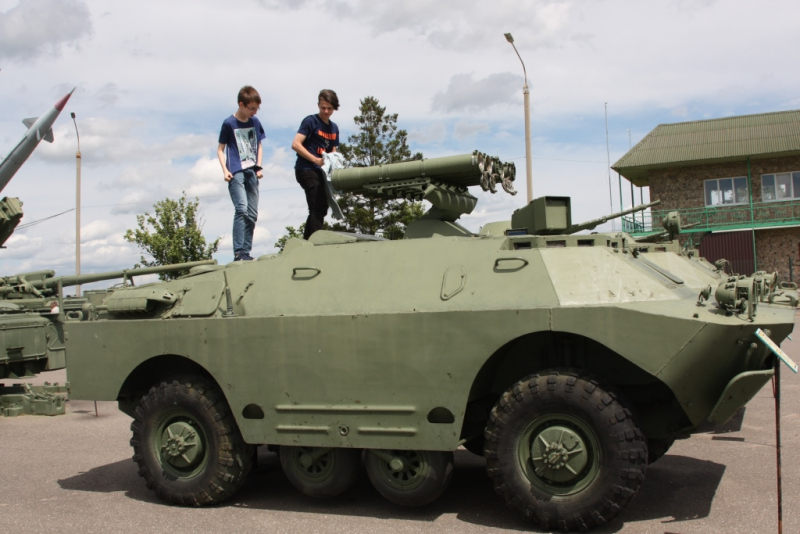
<point x="33" y="309"/>
<point x="570" y="361"/>
<point x="25" y="342"/>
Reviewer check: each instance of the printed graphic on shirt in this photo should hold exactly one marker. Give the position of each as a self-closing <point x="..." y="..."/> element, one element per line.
<point x="326" y="140"/>
<point x="247" y="142"/>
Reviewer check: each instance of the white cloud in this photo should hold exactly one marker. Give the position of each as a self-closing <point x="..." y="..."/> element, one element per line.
<point x="469" y="130"/>
<point x="467" y="94"/>
<point x="36" y="27"/>
<point x="430" y="135"/>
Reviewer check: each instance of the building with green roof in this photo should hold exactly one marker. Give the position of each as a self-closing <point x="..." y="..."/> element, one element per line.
<point x="735" y="182"/>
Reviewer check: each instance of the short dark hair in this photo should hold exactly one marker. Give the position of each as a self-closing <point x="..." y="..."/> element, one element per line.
<point x="329" y="96"/>
<point x="248" y="95"/>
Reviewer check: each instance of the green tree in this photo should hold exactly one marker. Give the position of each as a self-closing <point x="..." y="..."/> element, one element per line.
<point x="176" y="235"/>
<point x="377" y="142"/>
<point x="290" y="233"/>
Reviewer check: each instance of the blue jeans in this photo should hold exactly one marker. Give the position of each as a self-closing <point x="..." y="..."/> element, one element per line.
<point x="243" y="188"/>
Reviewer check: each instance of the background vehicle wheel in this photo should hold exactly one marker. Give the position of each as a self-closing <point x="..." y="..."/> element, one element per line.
<point x="657" y="448"/>
<point x="409" y="478"/>
<point x="564" y="451"/>
<point x="320" y="472"/>
<point x="187" y="444"/>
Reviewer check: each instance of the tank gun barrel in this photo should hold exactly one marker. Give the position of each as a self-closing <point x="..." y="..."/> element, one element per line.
<point x="74" y="280"/>
<point x="589" y="225"/>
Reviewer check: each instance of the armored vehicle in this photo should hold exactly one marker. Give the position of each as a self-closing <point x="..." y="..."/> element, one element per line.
<point x="570" y="361"/>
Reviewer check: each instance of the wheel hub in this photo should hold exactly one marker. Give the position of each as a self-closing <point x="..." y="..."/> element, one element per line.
<point x="181" y="446"/>
<point x="559" y="454"/>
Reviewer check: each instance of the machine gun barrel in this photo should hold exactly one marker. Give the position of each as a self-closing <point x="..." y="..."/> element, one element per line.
<point x="588" y="225"/>
<point x="74" y="280"/>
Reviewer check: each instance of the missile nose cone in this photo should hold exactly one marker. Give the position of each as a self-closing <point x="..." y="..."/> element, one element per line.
<point x="61" y="103"/>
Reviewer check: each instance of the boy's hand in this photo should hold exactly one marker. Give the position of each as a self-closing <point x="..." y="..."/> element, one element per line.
<point x="228" y="176"/>
<point x="259" y="174"/>
<point x="320" y="162"/>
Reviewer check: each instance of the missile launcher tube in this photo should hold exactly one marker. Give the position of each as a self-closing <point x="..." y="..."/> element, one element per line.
<point x="464" y="170"/>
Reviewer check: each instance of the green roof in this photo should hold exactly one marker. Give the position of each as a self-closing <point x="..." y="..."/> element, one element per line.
<point x="712" y="141"/>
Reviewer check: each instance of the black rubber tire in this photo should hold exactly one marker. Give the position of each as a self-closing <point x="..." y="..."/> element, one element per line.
<point x="615" y="450"/>
<point x="328" y="476"/>
<point x="218" y="471"/>
<point x="657" y="448"/>
<point x="423" y="481"/>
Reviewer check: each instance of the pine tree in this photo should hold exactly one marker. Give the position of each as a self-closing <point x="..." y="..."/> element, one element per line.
<point x="377" y="142"/>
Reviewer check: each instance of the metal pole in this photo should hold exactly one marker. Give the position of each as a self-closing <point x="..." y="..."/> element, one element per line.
<point x="528" y="168"/>
<point x="77" y="207"/>
<point x="608" y="161"/>
<point x="526" y="96"/>
<point x="777" y="394"/>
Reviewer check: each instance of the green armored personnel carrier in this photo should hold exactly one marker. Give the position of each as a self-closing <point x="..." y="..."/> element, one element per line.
<point x="570" y="361"/>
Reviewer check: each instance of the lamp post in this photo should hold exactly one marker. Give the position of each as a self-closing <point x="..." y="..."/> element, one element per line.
<point x="526" y="94"/>
<point x="77" y="206"/>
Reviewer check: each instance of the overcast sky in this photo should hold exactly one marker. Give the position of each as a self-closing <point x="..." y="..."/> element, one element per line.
<point x="155" y="80"/>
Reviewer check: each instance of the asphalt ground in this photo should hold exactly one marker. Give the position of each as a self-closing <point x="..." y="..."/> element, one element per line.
<point x="73" y="473"/>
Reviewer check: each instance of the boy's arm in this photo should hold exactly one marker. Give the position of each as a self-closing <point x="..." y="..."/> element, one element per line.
<point x="221" y="157"/>
<point x="259" y="174"/>
<point x="297" y="146"/>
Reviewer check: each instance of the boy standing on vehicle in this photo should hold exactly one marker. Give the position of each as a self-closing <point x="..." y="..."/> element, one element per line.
<point x="239" y="153"/>
<point x="317" y="134"/>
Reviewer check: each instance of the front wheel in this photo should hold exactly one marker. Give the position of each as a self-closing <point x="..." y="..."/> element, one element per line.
<point x="564" y="451"/>
<point x="187" y="444"/>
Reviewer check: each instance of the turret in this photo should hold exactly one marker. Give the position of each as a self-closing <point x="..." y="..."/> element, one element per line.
<point x="553" y="216"/>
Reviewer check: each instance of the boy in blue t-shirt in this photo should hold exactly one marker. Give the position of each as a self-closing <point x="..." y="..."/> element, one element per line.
<point x="317" y="134"/>
<point x="239" y="153"/>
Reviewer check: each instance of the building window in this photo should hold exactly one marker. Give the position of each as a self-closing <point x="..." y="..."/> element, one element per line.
<point x="727" y="191"/>
<point x="780" y="186"/>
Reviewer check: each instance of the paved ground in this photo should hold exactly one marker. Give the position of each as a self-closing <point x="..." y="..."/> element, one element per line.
<point x="73" y="473"/>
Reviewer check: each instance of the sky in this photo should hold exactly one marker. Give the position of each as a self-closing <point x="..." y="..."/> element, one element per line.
<point x="154" y="81"/>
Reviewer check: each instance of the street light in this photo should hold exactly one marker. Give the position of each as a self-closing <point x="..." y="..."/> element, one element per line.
<point x="77" y="206"/>
<point x="526" y="94"/>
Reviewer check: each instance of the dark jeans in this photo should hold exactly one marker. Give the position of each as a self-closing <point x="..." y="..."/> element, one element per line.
<point x="313" y="183"/>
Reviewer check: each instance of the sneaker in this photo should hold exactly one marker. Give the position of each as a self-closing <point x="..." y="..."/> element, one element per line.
<point x="243" y="257"/>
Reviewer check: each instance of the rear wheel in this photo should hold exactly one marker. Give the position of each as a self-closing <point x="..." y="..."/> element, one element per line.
<point x="320" y="472"/>
<point x="187" y="444"/>
<point x="409" y="478"/>
<point x="564" y="451"/>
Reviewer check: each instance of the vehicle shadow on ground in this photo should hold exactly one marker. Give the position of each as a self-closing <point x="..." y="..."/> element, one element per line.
<point x="677" y="488"/>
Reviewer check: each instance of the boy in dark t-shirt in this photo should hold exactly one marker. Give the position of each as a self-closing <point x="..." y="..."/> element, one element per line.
<point x="239" y="153"/>
<point x="317" y="134"/>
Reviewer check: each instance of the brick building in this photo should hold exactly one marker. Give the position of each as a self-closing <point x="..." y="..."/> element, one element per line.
<point x="735" y="182"/>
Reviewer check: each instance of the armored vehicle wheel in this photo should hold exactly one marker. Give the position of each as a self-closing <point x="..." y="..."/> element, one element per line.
<point x="409" y="478"/>
<point x="187" y="445"/>
<point x="321" y="472"/>
<point x="564" y="451"/>
<point x="657" y="448"/>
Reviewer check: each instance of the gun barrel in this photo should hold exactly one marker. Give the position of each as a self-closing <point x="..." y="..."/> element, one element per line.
<point x="588" y="225"/>
<point x="111" y="275"/>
